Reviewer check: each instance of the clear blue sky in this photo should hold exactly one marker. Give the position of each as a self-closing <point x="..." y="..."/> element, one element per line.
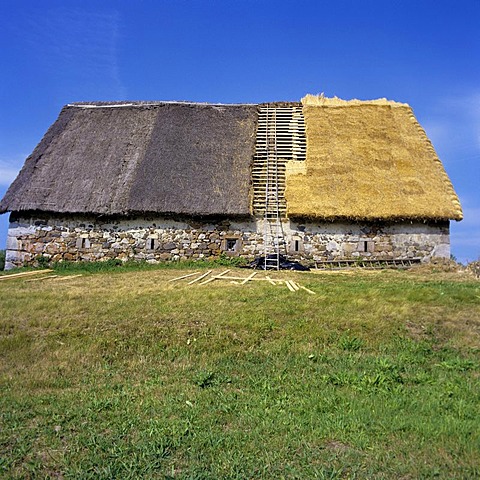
<point x="425" y="53"/>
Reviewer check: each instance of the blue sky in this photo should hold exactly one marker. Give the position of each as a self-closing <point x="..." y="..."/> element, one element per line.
<point x="425" y="53"/>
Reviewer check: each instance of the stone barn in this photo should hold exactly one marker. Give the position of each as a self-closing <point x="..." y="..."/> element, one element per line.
<point x="317" y="180"/>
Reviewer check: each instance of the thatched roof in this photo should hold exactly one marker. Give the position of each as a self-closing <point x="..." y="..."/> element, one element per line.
<point x="168" y="157"/>
<point x="364" y="161"/>
<point x="368" y="160"/>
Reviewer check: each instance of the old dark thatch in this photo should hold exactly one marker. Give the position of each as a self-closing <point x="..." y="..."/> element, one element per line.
<point x="178" y="158"/>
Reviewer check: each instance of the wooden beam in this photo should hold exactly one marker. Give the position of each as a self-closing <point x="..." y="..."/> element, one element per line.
<point x="243" y="278"/>
<point x="200" y="277"/>
<point x="294" y="285"/>
<point x="287" y="283"/>
<point x="307" y="290"/>
<point x="69" y="277"/>
<point x="41" y="278"/>
<point x="24" y="274"/>
<point x="248" y="278"/>
<point x="184" y="276"/>
<point x="211" y="279"/>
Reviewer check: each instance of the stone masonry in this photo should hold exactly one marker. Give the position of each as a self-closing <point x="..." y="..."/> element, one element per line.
<point x="159" y="239"/>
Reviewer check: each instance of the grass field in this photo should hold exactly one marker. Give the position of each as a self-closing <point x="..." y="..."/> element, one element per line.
<point x="122" y="374"/>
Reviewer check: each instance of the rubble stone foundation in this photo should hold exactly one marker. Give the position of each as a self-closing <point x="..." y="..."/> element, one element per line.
<point x="154" y="240"/>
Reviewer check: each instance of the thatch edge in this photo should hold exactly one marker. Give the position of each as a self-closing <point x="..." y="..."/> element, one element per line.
<point x="113" y="217"/>
<point x="458" y="213"/>
<point x="345" y="218"/>
<point x="60" y="123"/>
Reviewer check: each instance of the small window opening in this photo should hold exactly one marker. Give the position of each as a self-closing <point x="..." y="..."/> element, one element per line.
<point x="83" y="243"/>
<point x="365" y="246"/>
<point x="296" y="245"/>
<point x="230" y="244"/>
<point x="151" y="243"/>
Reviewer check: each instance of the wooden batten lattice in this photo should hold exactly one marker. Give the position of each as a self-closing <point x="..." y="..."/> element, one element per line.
<point x="284" y="128"/>
<point x="280" y="138"/>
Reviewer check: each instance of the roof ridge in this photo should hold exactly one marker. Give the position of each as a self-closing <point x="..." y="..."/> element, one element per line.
<point x="321" y="100"/>
<point x="142" y="103"/>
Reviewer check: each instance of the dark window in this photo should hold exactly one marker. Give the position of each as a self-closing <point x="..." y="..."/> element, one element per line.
<point x="150" y="243"/>
<point x="230" y="244"/>
<point x="83" y="243"/>
<point x="296" y="245"/>
<point x="366" y="246"/>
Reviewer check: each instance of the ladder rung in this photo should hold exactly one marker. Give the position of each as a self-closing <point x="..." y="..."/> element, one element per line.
<point x="280" y="138"/>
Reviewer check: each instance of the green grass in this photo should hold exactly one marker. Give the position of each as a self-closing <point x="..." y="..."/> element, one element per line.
<point x="125" y="375"/>
<point x="117" y="265"/>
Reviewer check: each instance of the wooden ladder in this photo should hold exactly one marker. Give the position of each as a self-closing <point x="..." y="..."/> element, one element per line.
<point x="280" y="138"/>
<point x="272" y="226"/>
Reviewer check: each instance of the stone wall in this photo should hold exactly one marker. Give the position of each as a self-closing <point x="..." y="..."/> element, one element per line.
<point x="159" y="239"/>
<point x="383" y="241"/>
<point x="87" y="239"/>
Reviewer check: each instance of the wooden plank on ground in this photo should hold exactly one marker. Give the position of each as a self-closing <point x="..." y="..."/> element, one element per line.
<point x="24" y="274"/>
<point x="184" y="276"/>
<point x="200" y="277"/>
<point x="227" y="277"/>
<point x="41" y="278"/>
<point x="211" y="279"/>
<point x="248" y="278"/>
<point x="69" y="277"/>
<point x="307" y="290"/>
<point x="294" y="285"/>
<point x="270" y="280"/>
<point x="287" y="283"/>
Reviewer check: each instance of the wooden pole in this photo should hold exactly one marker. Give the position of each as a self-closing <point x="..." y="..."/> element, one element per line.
<point x="248" y="278"/>
<point x="41" y="278"/>
<point x="308" y="290"/>
<point x="287" y="283"/>
<point x="200" y="277"/>
<point x="294" y="285"/>
<point x="69" y="277"/>
<point x="24" y="274"/>
<point x="214" y="278"/>
<point x="184" y="276"/>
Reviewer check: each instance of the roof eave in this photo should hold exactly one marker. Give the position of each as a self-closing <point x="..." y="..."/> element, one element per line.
<point x="390" y="219"/>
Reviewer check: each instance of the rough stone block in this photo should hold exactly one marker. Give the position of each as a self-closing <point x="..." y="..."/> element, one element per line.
<point x="12" y="243"/>
<point x="332" y="246"/>
<point x="441" y="251"/>
<point x="349" y="248"/>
